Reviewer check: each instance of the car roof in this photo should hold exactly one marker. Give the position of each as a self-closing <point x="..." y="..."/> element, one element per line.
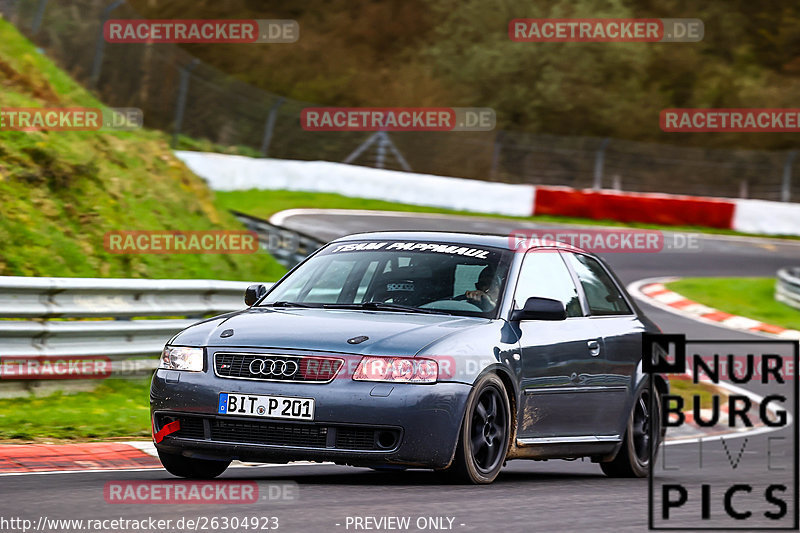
<point x="475" y="239"/>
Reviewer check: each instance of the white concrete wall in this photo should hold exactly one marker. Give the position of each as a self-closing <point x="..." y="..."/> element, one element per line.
<point x="233" y="173"/>
<point x="769" y="218"/>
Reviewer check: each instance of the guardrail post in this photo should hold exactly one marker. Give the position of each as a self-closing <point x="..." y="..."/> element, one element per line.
<point x="99" y="47"/>
<point x="599" y="160"/>
<point x="180" y="104"/>
<point x="786" y="185"/>
<point x="270" y="126"/>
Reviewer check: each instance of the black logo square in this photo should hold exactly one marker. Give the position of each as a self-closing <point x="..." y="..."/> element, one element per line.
<point x="656" y="350"/>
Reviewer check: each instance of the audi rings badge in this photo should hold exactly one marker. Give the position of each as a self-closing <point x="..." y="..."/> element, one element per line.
<point x="273" y="367"/>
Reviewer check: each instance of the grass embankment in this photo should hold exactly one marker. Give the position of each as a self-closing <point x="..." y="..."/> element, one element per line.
<point x="749" y="297"/>
<point x="117" y="408"/>
<point x="62" y="191"/>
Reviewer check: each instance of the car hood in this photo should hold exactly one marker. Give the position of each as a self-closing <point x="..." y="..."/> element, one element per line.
<point x="389" y="333"/>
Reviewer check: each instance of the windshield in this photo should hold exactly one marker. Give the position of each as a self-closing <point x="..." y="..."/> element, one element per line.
<point x="401" y="276"/>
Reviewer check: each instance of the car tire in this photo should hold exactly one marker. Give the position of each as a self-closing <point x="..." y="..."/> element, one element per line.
<point x="485" y="431"/>
<point x="633" y="458"/>
<point x="192" y="468"/>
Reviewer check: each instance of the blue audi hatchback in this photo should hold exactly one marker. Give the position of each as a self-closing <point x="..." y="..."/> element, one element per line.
<point x="454" y="352"/>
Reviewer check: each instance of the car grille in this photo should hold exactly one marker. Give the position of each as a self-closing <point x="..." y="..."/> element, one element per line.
<point x="269" y="433"/>
<point x="191" y="428"/>
<point x="269" y="367"/>
<point x="355" y="439"/>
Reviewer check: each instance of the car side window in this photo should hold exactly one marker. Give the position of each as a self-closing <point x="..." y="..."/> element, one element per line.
<point x="601" y="293"/>
<point x="544" y="275"/>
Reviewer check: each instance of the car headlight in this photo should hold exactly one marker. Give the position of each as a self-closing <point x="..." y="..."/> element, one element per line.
<point x="397" y="370"/>
<point x="182" y="358"/>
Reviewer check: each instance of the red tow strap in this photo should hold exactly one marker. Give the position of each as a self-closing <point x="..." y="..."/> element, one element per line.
<point x="172" y="427"/>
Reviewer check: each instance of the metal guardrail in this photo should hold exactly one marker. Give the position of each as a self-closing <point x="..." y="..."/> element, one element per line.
<point x="131" y="346"/>
<point x="22" y="297"/>
<point x="289" y="247"/>
<point x="787" y="286"/>
<point x="124" y="321"/>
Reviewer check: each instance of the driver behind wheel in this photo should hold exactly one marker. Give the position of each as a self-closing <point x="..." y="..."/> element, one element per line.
<point x="487" y="289"/>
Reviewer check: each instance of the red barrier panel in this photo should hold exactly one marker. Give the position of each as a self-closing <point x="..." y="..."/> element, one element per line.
<point x="634" y="207"/>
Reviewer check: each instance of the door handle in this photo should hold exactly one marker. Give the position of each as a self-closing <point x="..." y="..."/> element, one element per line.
<point x="594" y="347"/>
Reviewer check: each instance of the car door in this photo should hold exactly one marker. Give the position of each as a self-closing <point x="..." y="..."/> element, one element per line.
<point x="557" y="357"/>
<point x="620" y="333"/>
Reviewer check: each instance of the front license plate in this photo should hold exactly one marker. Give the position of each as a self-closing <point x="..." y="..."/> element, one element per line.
<point x="266" y="406"/>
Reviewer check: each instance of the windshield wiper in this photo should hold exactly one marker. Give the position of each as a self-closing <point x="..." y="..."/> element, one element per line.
<point x="381" y="306"/>
<point x="286" y="304"/>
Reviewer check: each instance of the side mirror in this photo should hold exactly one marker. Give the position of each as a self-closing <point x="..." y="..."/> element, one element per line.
<point x="253" y="293"/>
<point x="540" y="309"/>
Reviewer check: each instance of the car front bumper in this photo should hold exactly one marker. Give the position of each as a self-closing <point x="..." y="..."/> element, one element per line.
<point x="355" y="422"/>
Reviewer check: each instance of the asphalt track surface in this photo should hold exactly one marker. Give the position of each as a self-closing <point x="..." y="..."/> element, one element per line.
<point x="527" y="496"/>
